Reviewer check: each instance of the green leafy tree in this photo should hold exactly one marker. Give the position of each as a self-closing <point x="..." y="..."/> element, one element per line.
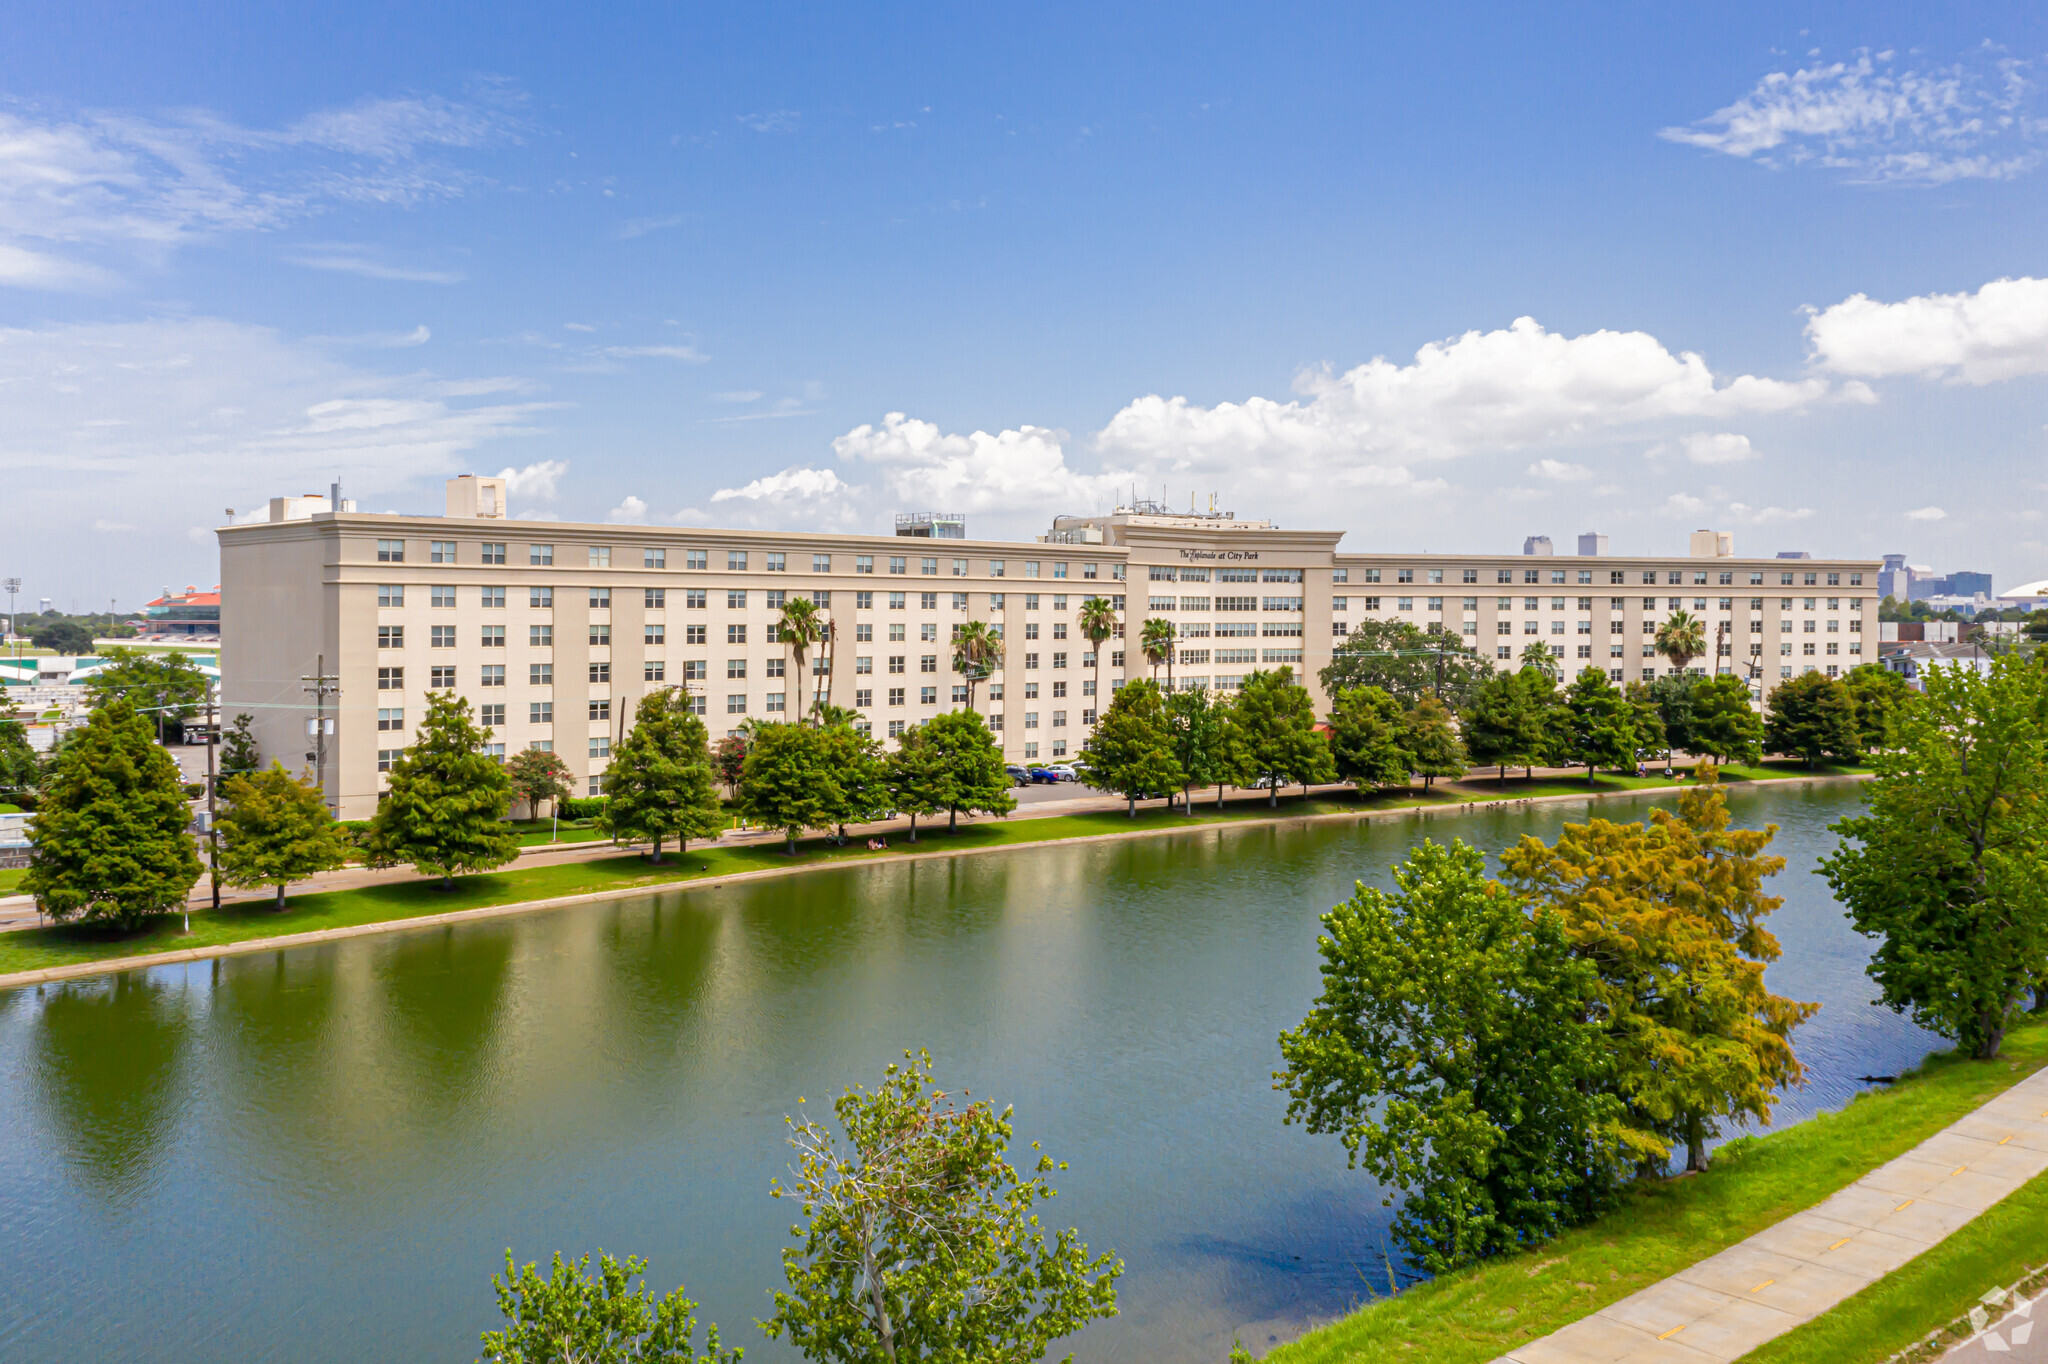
<point x="1948" y="866"/>
<point x="1502" y="724"/>
<point x="786" y="784"/>
<point x="1432" y="741"/>
<point x="1131" y="750"/>
<point x="574" y="1317"/>
<point x="1671" y="915"/>
<point x="1156" y="639"/>
<point x="1275" y="719"/>
<point x="444" y="812"/>
<point x="1449" y="1049"/>
<point x="975" y="777"/>
<point x="659" y="783"/>
<point x="1199" y="725"/>
<point x="1677" y="719"/>
<point x="59" y="636"/>
<point x="977" y="652"/>
<point x="920" y="1241"/>
<point x="167" y="686"/>
<point x="1646" y="719"/>
<point x="1407" y="663"/>
<point x="1682" y="638"/>
<point x="1880" y="695"/>
<point x="729" y="760"/>
<point x="19" y="768"/>
<point x="1598" y="724"/>
<point x="1813" y="717"/>
<point x="112" y="836"/>
<point x="1722" y="722"/>
<point x="859" y="787"/>
<point x="916" y="778"/>
<point x="1537" y="655"/>
<point x="539" y="774"/>
<point x="238" y="752"/>
<point x="277" y="829"/>
<point x="1367" y="732"/>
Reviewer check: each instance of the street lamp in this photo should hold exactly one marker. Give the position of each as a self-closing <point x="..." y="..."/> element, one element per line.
<point x="13" y="586"/>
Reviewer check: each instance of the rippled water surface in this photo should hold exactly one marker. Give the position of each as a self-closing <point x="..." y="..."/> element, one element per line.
<point x="321" y="1154"/>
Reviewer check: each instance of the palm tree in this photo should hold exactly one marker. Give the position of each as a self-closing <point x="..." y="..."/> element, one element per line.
<point x="1098" y="626"/>
<point x="1537" y="656"/>
<point x="977" y="652"/>
<point x="800" y="626"/>
<point x="1682" y="638"/>
<point x="1156" y="639"/>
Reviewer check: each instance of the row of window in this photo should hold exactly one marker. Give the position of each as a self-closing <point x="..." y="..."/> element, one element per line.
<point x="1673" y="577"/>
<point x="738" y="560"/>
<point x="698" y="599"/>
<point x="1160" y="573"/>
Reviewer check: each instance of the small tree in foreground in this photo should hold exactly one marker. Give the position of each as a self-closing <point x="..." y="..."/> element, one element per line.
<point x="539" y="774"/>
<point x="112" y="836"/>
<point x="275" y="830"/>
<point x="445" y="810"/>
<point x="238" y="754"/>
<point x="1450" y="1052"/>
<point x="570" y="1317"/>
<point x="921" y="1242"/>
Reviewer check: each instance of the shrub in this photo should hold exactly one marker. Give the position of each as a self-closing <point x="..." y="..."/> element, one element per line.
<point x="583" y="807"/>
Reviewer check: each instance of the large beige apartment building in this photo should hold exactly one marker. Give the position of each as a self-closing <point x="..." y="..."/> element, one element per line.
<point x="554" y="631"/>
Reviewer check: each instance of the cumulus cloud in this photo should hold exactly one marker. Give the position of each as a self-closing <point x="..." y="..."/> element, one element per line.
<point x="1927" y="514"/>
<point x="1721" y="447"/>
<point x="1504" y="389"/>
<point x="1559" y="471"/>
<point x="1009" y="471"/>
<point x="74" y="186"/>
<point x="772" y="121"/>
<point x="1874" y="121"/>
<point x="1683" y="505"/>
<point x="1999" y="332"/>
<point x="1767" y="516"/>
<point x="535" y="481"/>
<point x="794" y="497"/>
<point x="630" y="512"/>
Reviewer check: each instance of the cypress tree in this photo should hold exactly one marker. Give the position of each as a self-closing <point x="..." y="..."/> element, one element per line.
<point x="1131" y="750"/>
<point x="276" y="830"/>
<point x="445" y="810"/>
<point x="659" y="783"/>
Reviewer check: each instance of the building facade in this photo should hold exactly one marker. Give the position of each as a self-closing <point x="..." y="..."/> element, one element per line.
<point x="555" y="631"/>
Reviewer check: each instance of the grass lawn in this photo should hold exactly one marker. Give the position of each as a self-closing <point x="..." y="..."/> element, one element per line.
<point x="1927" y="1294"/>
<point x="533" y="832"/>
<point x="1478" y="1314"/>
<point x="10" y="880"/>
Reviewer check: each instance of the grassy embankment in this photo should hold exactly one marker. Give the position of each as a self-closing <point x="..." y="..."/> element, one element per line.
<point x="1480" y="1313"/>
<point x="34" y="949"/>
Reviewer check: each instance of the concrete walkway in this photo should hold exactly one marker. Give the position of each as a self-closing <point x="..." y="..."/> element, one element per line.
<point x="1728" y="1304"/>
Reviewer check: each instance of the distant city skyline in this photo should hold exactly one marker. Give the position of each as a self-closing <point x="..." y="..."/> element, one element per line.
<point x="1448" y="279"/>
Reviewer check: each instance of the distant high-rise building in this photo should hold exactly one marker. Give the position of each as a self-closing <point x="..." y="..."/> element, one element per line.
<point x="1895" y="579"/>
<point x="1537" y="544"/>
<point x="1963" y="584"/>
<point x="1592" y="543"/>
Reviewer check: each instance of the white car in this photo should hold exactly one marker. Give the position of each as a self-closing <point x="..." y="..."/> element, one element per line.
<point x="1064" y="771"/>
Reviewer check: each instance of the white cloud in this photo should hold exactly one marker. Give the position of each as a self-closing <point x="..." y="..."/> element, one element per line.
<point x="1504" y="389"/>
<point x="1999" y="332"/>
<point x="98" y="181"/>
<point x="102" y="524"/>
<point x="1015" y="472"/>
<point x="1768" y="516"/>
<point x="535" y="481"/>
<point x="418" y="336"/>
<point x="368" y="268"/>
<point x="1724" y="447"/>
<point x="773" y="121"/>
<point x="1683" y="505"/>
<point x="578" y="327"/>
<point x="794" y="497"/>
<point x="738" y="395"/>
<point x="1876" y="122"/>
<point x="687" y="354"/>
<point x="640" y="227"/>
<point x="631" y="511"/>
<point x="1559" y="471"/>
<point x="1927" y="514"/>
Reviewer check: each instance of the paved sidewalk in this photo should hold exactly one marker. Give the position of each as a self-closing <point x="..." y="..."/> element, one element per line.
<point x="1728" y="1304"/>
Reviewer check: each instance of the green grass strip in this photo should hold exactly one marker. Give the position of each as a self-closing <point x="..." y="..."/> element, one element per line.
<point x="70" y="944"/>
<point x="1481" y="1313"/>
<point x="1927" y="1294"/>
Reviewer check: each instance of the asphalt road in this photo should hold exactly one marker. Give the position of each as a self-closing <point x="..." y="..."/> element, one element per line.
<point x="2020" y="1337"/>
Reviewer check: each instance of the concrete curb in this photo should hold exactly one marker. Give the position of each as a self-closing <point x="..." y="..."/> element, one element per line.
<point x="113" y="965"/>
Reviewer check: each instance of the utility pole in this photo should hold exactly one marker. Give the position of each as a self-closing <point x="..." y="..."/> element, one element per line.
<point x="212" y="828"/>
<point x="13" y="586"/>
<point x="320" y="686"/>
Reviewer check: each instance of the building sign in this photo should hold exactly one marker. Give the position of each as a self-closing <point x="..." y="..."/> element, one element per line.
<point x="1192" y="554"/>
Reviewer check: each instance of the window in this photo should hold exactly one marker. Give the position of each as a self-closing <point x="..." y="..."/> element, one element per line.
<point x="391" y="718"/>
<point x="927" y="696"/>
<point x="441" y="637"/>
<point x="601" y="636"/>
<point x="1407" y="575"/>
<point x="600" y="599"/>
<point x="1436" y="575"/>
<point x="391" y="551"/>
<point x="491" y="715"/>
<point x="540" y="712"/>
<point x="598" y="556"/>
<point x="693" y="634"/>
<point x="897" y="564"/>
<point x="777" y="563"/>
<point x="540" y="598"/>
<point x="736" y="703"/>
<point x="540" y="674"/>
<point x="655" y="599"/>
<point x="386" y="757"/>
<point x="390" y="679"/>
<point x="540" y="556"/>
<point x="601" y="672"/>
<point x="735" y="601"/>
<point x="441" y="598"/>
<point x="494" y="637"/>
<point x="391" y="594"/>
<point x="927" y="601"/>
<point x="654" y="634"/>
<point x="998" y="568"/>
<point x="776" y="667"/>
<point x="601" y="710"/>
<point x="735" y="667"/>
<point x="776" y="702"/>
<point x="441" y="679"/>
<point x="896" y="696"/>
<point x="493" y="675"/>
<point x="600" y="745"/>
<point x="493" y="552"/>
<point x="694" y="670"/>
<point x="1031" y="719"/>
<point x="1031" y="568"/>
<point x="928" y="663"/>
<point x="735" y="634"/>
<point x="928" y="567"/>
<point x="440" y="551"/>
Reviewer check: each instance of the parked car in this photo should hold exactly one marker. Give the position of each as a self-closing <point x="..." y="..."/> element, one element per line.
<point x="1044" y="776"/>
<point x="1019" y="776"/>
<point x="1064" y="771"/>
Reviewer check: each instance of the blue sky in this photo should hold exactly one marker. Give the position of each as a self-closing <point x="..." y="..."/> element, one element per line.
<point x="1782" y="270"/>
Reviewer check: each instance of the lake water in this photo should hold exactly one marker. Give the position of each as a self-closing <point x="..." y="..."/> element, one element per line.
<point x="321" y="1154"/>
